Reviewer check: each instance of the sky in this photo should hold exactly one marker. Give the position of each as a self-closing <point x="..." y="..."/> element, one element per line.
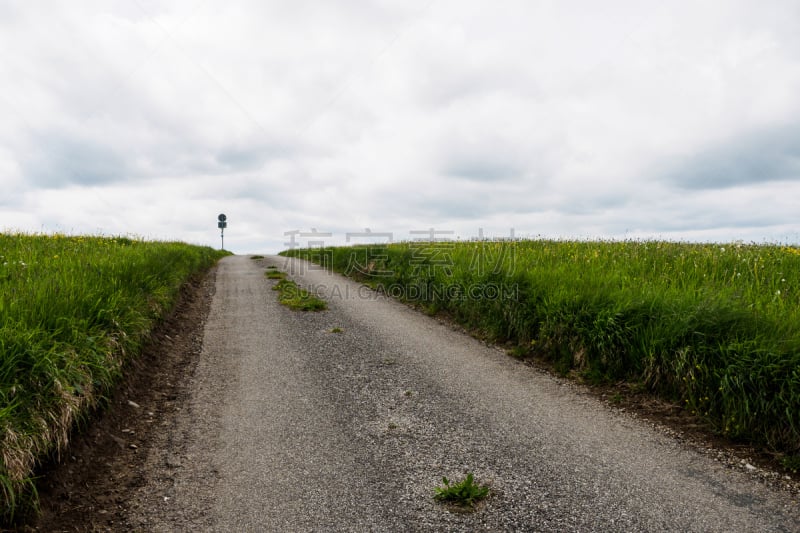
<point x="311" y="122"/>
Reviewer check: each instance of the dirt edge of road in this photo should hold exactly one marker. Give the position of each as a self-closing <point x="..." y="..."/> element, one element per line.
<point x="88" y="490"/>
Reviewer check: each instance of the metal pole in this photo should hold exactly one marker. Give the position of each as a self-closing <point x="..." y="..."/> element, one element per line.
<point x="222" y="236"/>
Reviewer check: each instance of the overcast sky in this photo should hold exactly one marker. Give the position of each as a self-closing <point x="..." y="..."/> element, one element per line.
<point x="568" y="118"/>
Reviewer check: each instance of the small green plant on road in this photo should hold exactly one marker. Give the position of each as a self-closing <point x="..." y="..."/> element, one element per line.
<point x="293" y="297"/>
<point x="465" y="493"/>
<point x="275" y="274"/>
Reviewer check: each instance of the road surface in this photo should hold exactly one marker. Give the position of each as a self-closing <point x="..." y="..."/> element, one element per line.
<point x="295" y="425"/>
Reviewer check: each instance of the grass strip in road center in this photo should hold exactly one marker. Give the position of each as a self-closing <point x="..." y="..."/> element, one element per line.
<point x="293" y="296"/>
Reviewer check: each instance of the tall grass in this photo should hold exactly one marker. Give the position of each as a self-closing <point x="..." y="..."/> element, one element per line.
<point x="72" y="311"/>
<point x="716" y="327"/>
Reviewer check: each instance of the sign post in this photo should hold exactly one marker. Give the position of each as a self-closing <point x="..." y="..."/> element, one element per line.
<point x="222" y="223"/>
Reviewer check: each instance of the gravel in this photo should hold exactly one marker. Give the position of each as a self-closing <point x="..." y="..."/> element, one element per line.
<point x="294" y="427"/>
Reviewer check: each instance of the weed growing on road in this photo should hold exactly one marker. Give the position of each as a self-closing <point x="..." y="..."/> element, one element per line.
<point x="257" y="257"/>
<point x="294" y="297"/>
<point x="465" y="493"/>
<point x="274" y="274"/>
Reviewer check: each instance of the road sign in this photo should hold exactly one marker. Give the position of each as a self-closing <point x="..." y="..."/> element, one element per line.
<point x="222" y="223"/>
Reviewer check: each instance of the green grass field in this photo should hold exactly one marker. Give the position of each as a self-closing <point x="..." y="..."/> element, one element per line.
<point x="716" y="327"/>
<point x="73" y="310"/>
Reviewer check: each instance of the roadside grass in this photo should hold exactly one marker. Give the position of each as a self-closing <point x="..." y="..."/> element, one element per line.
<point x="791" y="463"/>
<point x="714" y="327"/>
<point x="297" y="298"/>
<point x="73" y="310"/>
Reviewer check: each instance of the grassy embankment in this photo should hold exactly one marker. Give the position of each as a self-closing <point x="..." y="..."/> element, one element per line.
<point x="73" y="310"/>
<point x="716" y="327"/>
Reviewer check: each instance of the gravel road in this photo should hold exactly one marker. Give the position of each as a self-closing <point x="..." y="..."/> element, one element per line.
<point x="294" y="427"/>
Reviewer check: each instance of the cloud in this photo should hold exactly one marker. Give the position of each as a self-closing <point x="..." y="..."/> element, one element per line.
<point x="482" y="158"/>
<point x="752" y="157"/>
<point x="489" y="169"/>
<point x="59" y="160"/>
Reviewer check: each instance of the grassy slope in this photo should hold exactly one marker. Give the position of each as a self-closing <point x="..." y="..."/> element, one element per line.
<point x="716" y="327"/>
<point x="72" y="311"/>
